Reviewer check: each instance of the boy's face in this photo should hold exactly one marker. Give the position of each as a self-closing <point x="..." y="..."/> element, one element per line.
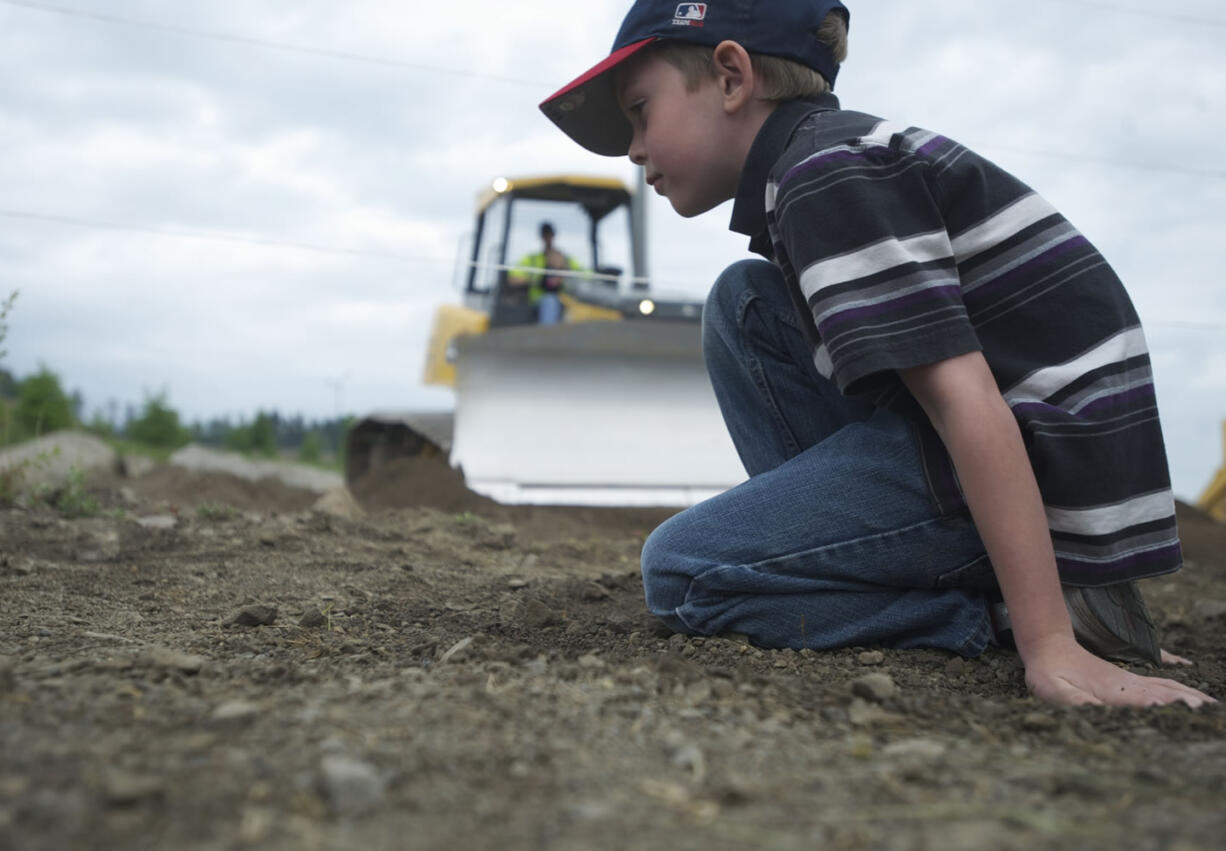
<point x="680" y="136"/>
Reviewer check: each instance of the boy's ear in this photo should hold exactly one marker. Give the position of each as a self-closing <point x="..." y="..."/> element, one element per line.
<point x="734" y="74"/>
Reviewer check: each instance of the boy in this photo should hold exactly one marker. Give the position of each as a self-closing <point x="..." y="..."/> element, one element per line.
<point x="938" y="387"/>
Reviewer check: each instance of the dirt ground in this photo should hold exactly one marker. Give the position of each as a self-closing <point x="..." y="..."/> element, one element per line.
<point x="215" y="664"/>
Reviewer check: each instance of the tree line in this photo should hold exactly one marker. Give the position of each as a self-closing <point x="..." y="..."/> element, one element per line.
<point x="38" y="404"/>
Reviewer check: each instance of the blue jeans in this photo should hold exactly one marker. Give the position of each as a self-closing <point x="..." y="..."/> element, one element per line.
<point x="834" y="540"/>
<point x="550" y="309"/>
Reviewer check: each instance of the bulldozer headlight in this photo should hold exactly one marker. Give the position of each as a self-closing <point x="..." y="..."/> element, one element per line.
<point x="501" y="185"/>
<point x="647" y="307"/>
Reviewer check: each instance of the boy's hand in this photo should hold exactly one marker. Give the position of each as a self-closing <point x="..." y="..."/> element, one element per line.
<point x="1062" y="671"/>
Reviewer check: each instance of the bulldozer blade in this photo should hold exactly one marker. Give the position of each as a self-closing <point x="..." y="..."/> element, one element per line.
<point x="617" y="413"/>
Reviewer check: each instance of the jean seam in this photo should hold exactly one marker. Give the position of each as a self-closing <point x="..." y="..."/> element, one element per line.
<point x="755" y="369"/>
<point x="878" y="536"/>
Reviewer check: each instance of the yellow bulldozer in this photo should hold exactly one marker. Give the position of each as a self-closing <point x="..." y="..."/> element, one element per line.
<point x="1213" y="500"/>
<point x="610" y="406"/>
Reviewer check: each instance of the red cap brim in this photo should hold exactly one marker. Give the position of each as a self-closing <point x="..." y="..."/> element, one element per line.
<point x="586" y="109"/>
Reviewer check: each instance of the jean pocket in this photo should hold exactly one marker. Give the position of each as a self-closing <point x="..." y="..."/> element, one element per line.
<point x="975" y="575"/>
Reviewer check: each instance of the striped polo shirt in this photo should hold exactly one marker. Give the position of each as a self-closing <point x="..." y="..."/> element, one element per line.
<point x="903" y="248"/>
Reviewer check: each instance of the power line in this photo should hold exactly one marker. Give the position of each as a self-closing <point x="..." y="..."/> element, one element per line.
<point x="180" y="233"/>
<point x="252" y="41"/>
<point x="1147" y="13"/>
<point x="1107" y="161"/>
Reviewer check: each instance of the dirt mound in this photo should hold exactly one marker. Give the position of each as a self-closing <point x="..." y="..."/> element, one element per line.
<point x="189" y="489"/>
<point x="431" y="483"/>
<point x="1203" y="538"/>
<point x="418" y="482"/>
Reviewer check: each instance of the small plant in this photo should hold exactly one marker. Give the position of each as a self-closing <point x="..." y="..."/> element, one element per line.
<point x="466" y="519"/>
<point x="6" y="307"/>
<point x="212" y="512"/>
<point x="73" y="500"/>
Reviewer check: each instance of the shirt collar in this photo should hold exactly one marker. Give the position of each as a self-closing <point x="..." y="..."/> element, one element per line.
<point x="749" y="209"/>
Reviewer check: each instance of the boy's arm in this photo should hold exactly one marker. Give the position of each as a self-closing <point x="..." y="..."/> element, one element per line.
<point x="964" y="404"/>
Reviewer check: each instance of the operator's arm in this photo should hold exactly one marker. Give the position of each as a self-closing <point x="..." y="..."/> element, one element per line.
<point x="961" y="399"/>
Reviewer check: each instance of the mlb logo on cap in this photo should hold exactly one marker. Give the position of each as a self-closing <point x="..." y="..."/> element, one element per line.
<point x="690" y="14"/>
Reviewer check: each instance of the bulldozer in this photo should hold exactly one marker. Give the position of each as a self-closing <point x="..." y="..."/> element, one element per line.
<point x="1213" y="500"/>
<point x="609" y="407"/>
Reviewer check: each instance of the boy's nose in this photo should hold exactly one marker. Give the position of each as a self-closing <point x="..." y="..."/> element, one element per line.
<point x="637" y="153"/>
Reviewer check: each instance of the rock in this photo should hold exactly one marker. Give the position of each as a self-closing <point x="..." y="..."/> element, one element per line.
<point x="861" y="713"/>
<point x="918" y="749"/>
<point x="875" y="687"/>
<point x="536" y="615"/>
<point x="689" y="758"/>
<point x="351" y="786"/>
<point x="590" y="661"/>
<point x="1038" y="722"/>
<point x="160" y="522"/>
<point x="338" y="502"/>
<point x="872" y="657"/>
<point x="121" y="789"/>
<point x="517" y="583"/>
<point x="235" y="712"/>
<point x="313" y="619"/>
<point x="593" y="592"/>
<point x="164" y="657"/>
<point x="251" y="616"/>
<point x="1211" y="609"/>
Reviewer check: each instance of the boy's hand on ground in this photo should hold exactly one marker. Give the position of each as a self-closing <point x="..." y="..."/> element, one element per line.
<point x="1066" y="673"/>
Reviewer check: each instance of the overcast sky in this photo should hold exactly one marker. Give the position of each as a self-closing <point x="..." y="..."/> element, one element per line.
<point x="258" y="204"/>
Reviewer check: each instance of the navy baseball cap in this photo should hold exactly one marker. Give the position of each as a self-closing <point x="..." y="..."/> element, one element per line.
<point x="586" y="109"/>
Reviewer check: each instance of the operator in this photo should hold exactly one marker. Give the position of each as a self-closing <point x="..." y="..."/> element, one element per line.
<point x="543" y="288"/>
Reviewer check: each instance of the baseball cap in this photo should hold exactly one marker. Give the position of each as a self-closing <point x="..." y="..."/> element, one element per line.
<point x="586" y="109"/>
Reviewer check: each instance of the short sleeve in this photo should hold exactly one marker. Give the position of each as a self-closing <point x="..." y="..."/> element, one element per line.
<point x="862" y="229"/>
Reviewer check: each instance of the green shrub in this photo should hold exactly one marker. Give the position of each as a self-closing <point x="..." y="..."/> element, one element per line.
<point x="158" y="425"/>
<point x="258" y="438"/>
<point x="311" y="449"/>
<point x="42" y="405"/>
<point x="74" y="500"/>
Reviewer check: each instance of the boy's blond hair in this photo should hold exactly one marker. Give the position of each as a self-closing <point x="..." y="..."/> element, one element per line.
<point x="779" y="79"/>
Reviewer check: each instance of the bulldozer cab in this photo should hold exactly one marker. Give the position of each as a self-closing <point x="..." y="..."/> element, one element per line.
<point x="591" y="218"/>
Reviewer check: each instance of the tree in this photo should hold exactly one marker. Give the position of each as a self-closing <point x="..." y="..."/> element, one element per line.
<point x="42" y="405"/>
<point x="158" y="425"/>
<point x="310" y="451"/>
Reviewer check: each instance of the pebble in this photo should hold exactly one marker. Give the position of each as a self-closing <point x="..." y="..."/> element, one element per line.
<point x="160" y="522"/>
<point x="1211" y="609"/>
<point x="250" y="616"/>
<point x="536" y="614"/>
<point x="593" y="592"/>
<point x="235" y="712"/>
<point x="516" y="584"/>
<point x="164" y="657"/>
<point x="872" y="657"/>
<point x="351" y="786"/>
<point x="922" y="749"/>
<point x="121" y="789"/>
<point x="1039" y="721"/>
<point x="876" y="687"/>
<point x="312" y="619"/>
